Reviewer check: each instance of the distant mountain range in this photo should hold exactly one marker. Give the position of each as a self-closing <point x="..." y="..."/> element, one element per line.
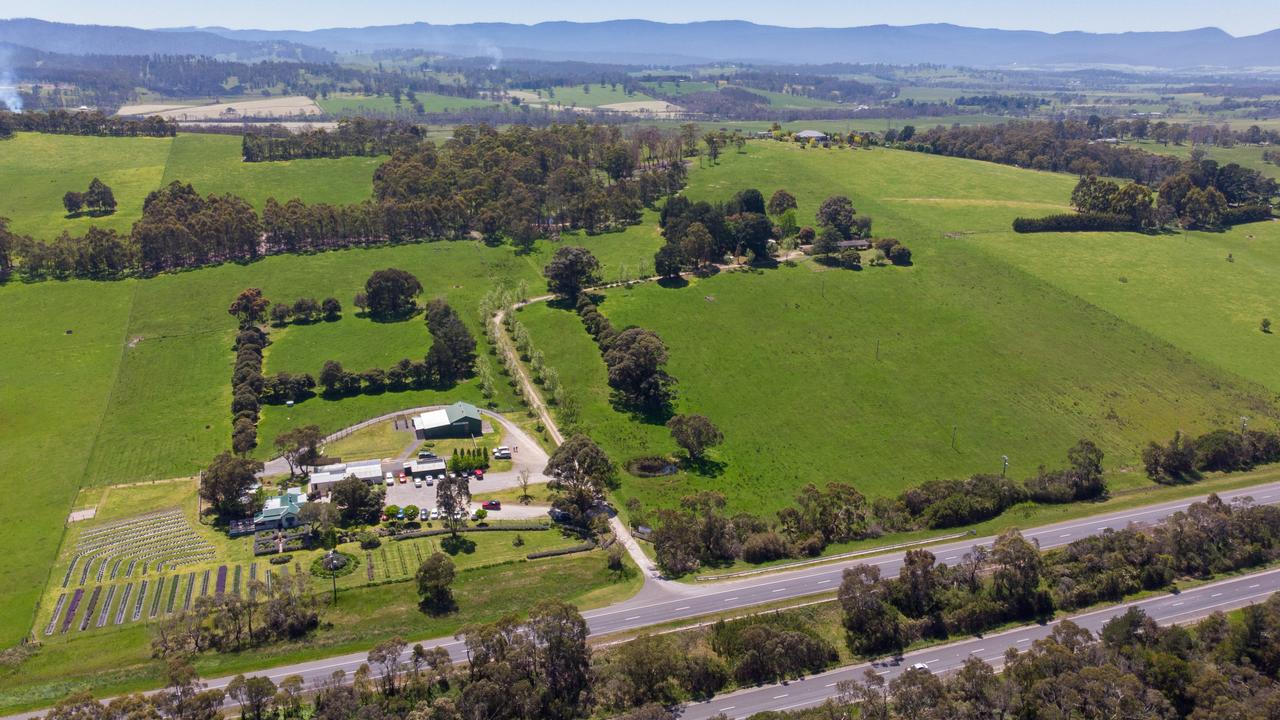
<point x="111" y="40"/>
<point x="645" y="42"/>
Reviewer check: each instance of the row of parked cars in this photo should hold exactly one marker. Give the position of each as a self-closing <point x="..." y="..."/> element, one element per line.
<point x="438" y="514"/>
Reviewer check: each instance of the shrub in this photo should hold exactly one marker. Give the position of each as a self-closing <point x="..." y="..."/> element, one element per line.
<point x="1246" y="214"/>
<point x="562" y="551"/>
<point x="348" y="565"/>
<point x="765" y="546"/>
<point x="368" y="540"/>
<point x="281" y="560"/>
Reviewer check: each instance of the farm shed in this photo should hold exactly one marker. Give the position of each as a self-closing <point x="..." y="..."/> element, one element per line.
<point x="459" y="420"/>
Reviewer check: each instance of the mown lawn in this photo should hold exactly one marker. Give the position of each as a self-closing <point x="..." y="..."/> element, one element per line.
<point x="818" y="375"/>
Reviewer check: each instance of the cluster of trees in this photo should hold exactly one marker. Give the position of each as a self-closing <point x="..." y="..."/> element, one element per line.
<point x="98" y="200"/>
<point x="450" y="359"/>
<point x="305" y="311"/>
<point x="1203" y="195"/>
<point x="1013" y="580"/>
<point x="1063" y="146"/>
<point x="580" y="473"/>
<point x="518" y="184"/>
<point x="1133" y="668"/>
<point x="702" y="232"/>
<point x="1183" y="458"/>
<point x="63" y="122"/>
<point x="955" y="503"/>
<point x="661" y="670"/>
<point x="247" y="381"/>
<point x="525" y="183"/>
<point x="1219" y="667"/>
<point x="636" y="359"/>
<point x="230" y="622"/>
<point x="700" y="534"/>
<point x="353" y="136"/>
<point x="1003" y="104"/>
<point x="225" y="484"/>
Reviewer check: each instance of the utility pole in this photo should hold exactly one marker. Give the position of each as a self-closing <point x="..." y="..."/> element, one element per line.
<point x="1005" y="469"/>
<point x="1244" y="424"/>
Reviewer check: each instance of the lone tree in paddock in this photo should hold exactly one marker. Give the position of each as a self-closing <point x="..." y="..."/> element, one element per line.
<point x="571" y="269"/>
<point x="695" y="433"/>
<point x="392" y="293"/>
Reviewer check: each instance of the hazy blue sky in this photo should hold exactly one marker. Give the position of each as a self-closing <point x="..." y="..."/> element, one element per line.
<point x="1239" y="17"/>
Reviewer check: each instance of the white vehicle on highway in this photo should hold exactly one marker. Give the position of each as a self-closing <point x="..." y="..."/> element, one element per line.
<point x="919" y="666"/>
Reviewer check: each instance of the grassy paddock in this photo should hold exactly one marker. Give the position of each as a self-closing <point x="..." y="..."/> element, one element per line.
<point x="892" y="360"/>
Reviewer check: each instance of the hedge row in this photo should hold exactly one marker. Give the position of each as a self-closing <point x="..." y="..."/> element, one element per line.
<point x="490" y="528"/>
<point x="1246" y="214"/>
<point x="562" y="551"/>
<point x="1075" y="222"/>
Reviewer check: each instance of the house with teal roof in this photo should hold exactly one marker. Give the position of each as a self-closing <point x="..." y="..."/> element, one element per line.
<point x="281" y="511"/>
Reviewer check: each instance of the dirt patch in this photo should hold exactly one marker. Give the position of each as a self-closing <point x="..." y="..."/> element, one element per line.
<point x="644" y="106"/>
<point x="133" y="341"/>
<point x="283" y="107"/>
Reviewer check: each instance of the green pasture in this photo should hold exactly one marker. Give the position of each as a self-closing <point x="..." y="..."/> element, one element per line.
<point x="386" y="104"/>
<point x="817" y="374"/>
<point x="212" y="164"/>
<point x="36" y="170"/>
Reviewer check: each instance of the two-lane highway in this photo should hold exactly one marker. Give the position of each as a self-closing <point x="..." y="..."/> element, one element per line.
<point x="665" y="602"/>
<point x="1165" y="609"/>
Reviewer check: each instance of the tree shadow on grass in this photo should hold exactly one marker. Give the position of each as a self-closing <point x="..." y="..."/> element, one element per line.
<point x="704" y="466"/>
<point x="455" y="544"/>
<point x="673" y="283"/>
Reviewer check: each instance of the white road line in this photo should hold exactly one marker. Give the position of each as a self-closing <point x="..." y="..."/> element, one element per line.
<point x="728" y="708"/>
<point x="686" y="607"/>
<point x="974" y="652"/>
<point x="1252" y="586"/>
<point x="820" y="582"/>
<point x="730" y="599"/>
<point x="779" y="697"/>
<point x="1216" y="595"/>
<point x="1024" y="640"/>
<point x="778" y="590"/>
<point x="1177" y="604"/>
<point x="1066" y="535"/>
<point x="831" y="684"/>
<point x="633" y="617"/>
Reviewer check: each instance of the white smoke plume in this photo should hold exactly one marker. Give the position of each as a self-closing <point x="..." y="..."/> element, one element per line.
<point x="9" y="96"/>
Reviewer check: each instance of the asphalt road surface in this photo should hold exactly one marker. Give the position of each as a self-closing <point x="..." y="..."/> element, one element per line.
<point x="665" y="602"/>
<point x="1165" y="609"/>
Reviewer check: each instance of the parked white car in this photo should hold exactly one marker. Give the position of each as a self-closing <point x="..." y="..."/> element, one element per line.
<point x="391" y="479"/>
<point x="435" y="513"/>
<point x="417" y="482"/>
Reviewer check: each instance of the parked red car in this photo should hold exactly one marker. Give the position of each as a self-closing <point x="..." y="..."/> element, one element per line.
<point x="492" y="505"/>
<point x="480" y="473"/>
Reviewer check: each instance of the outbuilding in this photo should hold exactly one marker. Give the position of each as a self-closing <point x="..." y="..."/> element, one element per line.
<point x="812" y="135"/>
<point x="459" y="420"/>
<point x="433" y="467"/>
